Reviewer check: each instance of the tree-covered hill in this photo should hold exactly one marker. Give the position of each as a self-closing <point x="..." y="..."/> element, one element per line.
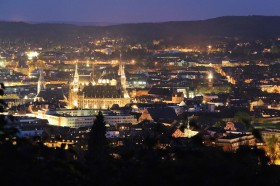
<point x="244" y="27"/>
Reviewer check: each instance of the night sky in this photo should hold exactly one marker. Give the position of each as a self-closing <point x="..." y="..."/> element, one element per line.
<point x="120" y="11"/>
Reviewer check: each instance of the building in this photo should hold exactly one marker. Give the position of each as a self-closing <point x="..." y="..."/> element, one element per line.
<point x="100" y="95"/>
<point x="164" y="114"/>
<point x="270" y="133"/>
<point x="29" y="127"/>
<point x="76" y="118"/>
<point x="232" y="142"/>
<point x="234" y="127"/>
<point x="188" y="133"/>
<point x="51" y="94"/>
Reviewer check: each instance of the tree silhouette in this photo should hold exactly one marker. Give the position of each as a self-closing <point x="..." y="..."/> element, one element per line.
<point x="5" y="131"/>
<point x="2" y="107"/>
<point x="245" y="119"/>
<point x="97" y="143"/>
<point x="273" y="149"/>
<point x="220" y="124"/>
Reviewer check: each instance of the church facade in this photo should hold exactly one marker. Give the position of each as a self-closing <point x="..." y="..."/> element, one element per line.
<point x="101" y="95"/>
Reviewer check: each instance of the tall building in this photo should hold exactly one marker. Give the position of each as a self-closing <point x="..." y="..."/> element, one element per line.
<point x="123" y="78"/>
<point x="100" y="95"/>
<point x="41" y="82"/>
<point x="92" y="75"/>
<point x="73" y="90"/>
<point x="76" y="80"/>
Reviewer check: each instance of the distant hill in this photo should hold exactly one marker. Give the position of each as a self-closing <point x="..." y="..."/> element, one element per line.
<point x="77" y="23"/>
<point x="244" y="27"/>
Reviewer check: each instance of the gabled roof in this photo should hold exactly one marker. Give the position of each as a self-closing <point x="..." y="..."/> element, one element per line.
<point x="163" y="114"/>
<point x="236" y="126"/>
<point x="182" y="104"/>
<point x="84" y="78"/>
<point x="50" y="95"/>
<point x="160" y="91"/>
<point x="100" y="91"/>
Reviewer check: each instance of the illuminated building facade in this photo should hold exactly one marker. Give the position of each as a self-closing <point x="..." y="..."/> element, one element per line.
<point x="234" y="141"/>
<point x="76" y="118"/>
<point x="100" y="95"/>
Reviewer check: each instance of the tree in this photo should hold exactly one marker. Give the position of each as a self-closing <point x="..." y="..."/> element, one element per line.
<point x="2" y="103"/>
<point x="273" y="149"/>
<point x="245" y="119"/>
<point x="2" y="107"/>
<point x="4" y="130"/>
<point x="220" y="124"/>
<point x="97" y="143"/>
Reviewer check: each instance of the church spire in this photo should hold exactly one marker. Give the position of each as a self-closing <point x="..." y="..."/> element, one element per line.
<point x="121" y="73"/>
<point x="92" y="74"/>
<point x="121" y="68"/>
<point x="210" y="79"/>
<point x="76" y="75"/>
<point x="76" y="79"/>
<point x="41" y="82"/>
<point x="120" y="65"/>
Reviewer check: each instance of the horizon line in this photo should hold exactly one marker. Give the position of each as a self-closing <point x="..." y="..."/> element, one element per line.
<point x="107" y="23"/>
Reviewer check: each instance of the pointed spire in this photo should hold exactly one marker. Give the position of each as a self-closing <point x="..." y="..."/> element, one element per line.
<point x="41" y="82"/>
<point x="120" y="65"/>
<point x="121" y="73"/>
<point x="92" y="74"/>
<point x="76" y="79"/>
<point x="76" y="75"/>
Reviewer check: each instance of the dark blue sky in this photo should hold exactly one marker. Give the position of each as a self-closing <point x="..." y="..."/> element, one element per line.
<point x="119" y="11"/>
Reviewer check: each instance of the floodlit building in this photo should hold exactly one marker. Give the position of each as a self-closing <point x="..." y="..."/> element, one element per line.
<point x="100" y="95"/>
<point x="76" y="118"/>
<point x="232" y="142"/>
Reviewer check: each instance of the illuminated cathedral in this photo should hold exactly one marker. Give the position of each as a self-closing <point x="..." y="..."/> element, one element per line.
<point x="85" y="93"/>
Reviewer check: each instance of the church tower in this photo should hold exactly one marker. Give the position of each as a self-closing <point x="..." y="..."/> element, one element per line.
<point x="92" y="74"/>
<point x="210" y="80"/>
<point x="41" y="82"/>
<point x="121" y="73"/>
<point x="120" y="65"/>
<point x="76" y="80"/>
<point x="74" y="89"/>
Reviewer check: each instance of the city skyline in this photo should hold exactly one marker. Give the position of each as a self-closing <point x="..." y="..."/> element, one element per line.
<point x="160" y="103"/>
<point x="127" y="11"/>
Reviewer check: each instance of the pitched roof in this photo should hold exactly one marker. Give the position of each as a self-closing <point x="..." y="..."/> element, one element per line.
<point x="160" y="91"/>
<point x="236" y="126"/>
<point x="100" y="91"/>
<point x="50" y="95"/>
<point x="84" y="78"/>
<point x="163" y="114"/>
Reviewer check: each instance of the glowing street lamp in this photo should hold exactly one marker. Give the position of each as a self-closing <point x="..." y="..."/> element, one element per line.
<point x="32" y="54"/>
<point x="210" y="80"/>
<point x="75" y="103"/>
<point x="209" y="47"/>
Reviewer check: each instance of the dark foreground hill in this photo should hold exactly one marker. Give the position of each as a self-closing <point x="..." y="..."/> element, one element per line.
<point x="244" y="27"/>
